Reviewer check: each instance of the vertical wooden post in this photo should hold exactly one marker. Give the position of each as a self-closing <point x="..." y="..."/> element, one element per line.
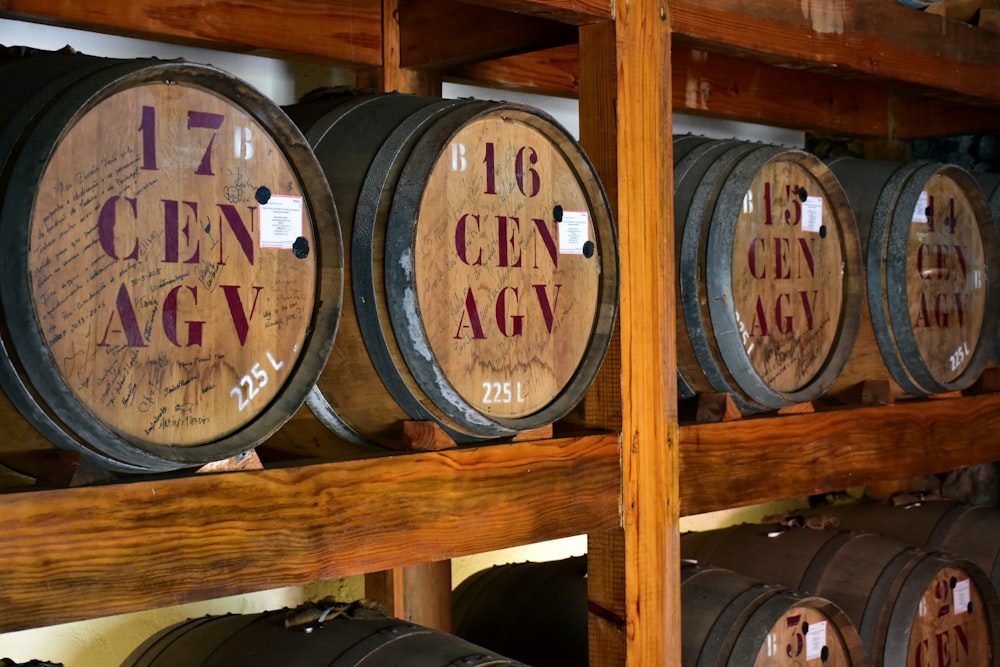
<point x="419" y="594"/>
<point x="391" y="76"/>
<point x="625" y="125"/>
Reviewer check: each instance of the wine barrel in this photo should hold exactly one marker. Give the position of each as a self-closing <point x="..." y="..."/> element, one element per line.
<point x="537" y="613"/>
<point x="930" y="245"/>
<point x="911" y="606"/>
<point x="731" y="620"/>
<point x="769" y="284"/>
<point x="335" y="636"/>
<point x="967" y="531"/>
<point x="483" y="266"/>
<point x="171" y="287"/>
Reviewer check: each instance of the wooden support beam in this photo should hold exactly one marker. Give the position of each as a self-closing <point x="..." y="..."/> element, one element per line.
<point x="439" y="33"/>
<point x="868" y="38"/>
<point x="577" y="12"/>
<point x="625" y="128"/>
<point x="76" y="553"/>
<point x="800" y="455"/>
<point x="346" y="31"/>
<point x="419" y="594"/>
<point x="392" y="75"/>
<point x="716" y="84"/>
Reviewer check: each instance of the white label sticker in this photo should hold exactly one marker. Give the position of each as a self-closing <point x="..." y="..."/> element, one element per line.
<point x="815" y="640"/>
<point x="920" y="210"/>
<point x="574" y="231"/>
<point x="280" y="221"/>
<point x="812" y="214"/>
<point x="962" y="596"/>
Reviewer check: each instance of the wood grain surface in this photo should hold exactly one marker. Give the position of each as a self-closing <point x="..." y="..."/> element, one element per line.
<point x="79" y="553"/>
<point x="791" y="456"/>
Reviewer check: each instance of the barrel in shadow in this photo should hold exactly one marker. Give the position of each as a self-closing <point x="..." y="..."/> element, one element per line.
<point x="483" y="266"/>
<point x="769" y="275"/>
<point x="537" y="612"/>
<point x="931" y="254"/>
<point x="330" y="636"/>
<point x="534" y="612"/>
<point x="730" y="619"/>
<point x="967" y="531"/>
<point x="173" y="268"/>
<point x="911" y="606"/>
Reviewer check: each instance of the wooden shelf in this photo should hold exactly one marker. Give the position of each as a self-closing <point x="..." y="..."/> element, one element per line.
<point x="78" y="553"/>
<point x="760" y="459"/>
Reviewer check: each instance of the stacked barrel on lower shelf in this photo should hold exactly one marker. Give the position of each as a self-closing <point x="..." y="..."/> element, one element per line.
<point x="325" y="635"/>
<point x="767" y="595"/>
<point x="536" y="612"/>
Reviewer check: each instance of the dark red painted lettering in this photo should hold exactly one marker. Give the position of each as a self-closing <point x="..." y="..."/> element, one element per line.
<point x="805" y="245"/>
<point x="548" y="308"/>
<point x="963" y="640"/>
<point x="943" y="653"/>
<point x="491" y="169"/>
<point x="923" y="318"/>
<point x="752" y="259"/>
<point x="194" y="327"/>
<point x="461" y="240"/>
<point x="148" y="129"/>
<point x="474" y="323"/>
<point x="793" y="622"/>
<point x="960" y="256"/>
<point x="243" y="235"/>
<point x="107" y="219"/>
<point x="786" y="215"/>
<point x="130" y="323"/>
<point x="532" y="187"/>
<point x="241" y="320"/>
<point x="768" y="220"/>
<point x="548" y="239"/>
<point x="796" y="205"/>
<point x="759" y="319"/>
<point x="172" y="231"/>
<point x="807" y="306"/>
<point x="781" y="269"/>
<point x="785" y="322"/>
<point x="945" y="305"/>
<point x="211" y="121"/>
<point x="501" y="314"/>
<point x="508" y="242"/>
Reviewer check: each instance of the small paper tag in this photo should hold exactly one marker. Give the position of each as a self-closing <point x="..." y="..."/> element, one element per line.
<point x="920" y="210"/>
<point x="574" y="232"/>
<point x="812" y="214"/>
<point x="815" y="640"/>
<point x="961" y="596"/>
<point x="280" y="221"/>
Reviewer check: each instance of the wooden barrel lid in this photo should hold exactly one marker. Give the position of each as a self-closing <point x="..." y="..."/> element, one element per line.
<point x="172" y="263"/>
<point x="501" y="263"/>
<point x="952" y="624"/>
<point x="937" y="294"/>
<point x="783" y="288"/>
<point x="806" y="633"/>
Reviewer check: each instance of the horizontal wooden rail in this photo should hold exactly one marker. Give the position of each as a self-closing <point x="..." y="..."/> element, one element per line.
<point x="79" y="553"/>
<point x="755" y="460"/>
